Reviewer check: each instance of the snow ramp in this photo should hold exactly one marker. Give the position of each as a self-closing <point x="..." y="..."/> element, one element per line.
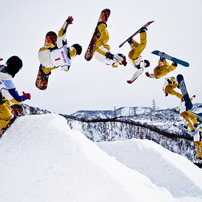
<point x="42" y="159"/>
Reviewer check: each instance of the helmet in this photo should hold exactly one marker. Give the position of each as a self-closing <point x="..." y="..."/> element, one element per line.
<point x="146" y="63"/>
<point x="78" y="48"/>
<point x="14" y="64"/>
<point x="171" y="80"/>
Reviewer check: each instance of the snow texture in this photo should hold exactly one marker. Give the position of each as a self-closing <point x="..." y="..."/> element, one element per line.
<point x="42" y="159"/>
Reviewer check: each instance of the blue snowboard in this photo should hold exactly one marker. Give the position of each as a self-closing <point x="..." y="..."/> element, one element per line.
<point x="183" y="88"/>
<point x="166" y="56"/>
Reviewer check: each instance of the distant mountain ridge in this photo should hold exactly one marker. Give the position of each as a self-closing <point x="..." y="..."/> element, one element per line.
<point x="163" y="126"/>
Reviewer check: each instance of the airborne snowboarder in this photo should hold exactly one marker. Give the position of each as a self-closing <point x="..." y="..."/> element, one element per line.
<point x="102" y="49"/>
<point x="162" y="69"/>
<point x="135" y="54"/>
<point x="169" y="85"/>
<point x="8" y="92"/>
<point x="98" y="46"/>
<point x="58" y="55"/>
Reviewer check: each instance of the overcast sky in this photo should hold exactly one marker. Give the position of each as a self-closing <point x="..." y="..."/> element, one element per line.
<point x="91" y="85"/>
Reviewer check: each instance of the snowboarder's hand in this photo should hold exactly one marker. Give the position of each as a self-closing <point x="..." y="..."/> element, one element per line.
<point x="1" y="59"/>
<point x="129" y="81"/>
<point x="147" y="74"/>
<point x="124" y="62"/>
<point x="70" y="19"/>
<point x="27" y="95"/>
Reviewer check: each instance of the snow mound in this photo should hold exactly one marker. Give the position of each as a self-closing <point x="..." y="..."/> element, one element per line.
<point x="42" y="159"/>
<point x="167" y="169"/>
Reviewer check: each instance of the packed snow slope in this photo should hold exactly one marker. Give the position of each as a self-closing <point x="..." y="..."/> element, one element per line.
<point x="42" y="159"/>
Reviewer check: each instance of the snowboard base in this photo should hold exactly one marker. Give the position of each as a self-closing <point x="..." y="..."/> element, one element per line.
<point x="103" y="18"/>
<point x="42" y="78"/>
<point x="183" y="88"/>
<point x="146" y="25"/>
<point x="171" y="58"/>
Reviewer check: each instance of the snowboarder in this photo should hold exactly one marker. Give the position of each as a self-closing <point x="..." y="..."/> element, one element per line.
<point x="198" y="143"/>
<point x="169" y="85"/>
<point x="8" y="92"/>
<point x="102" y="50"/>
<point x="188" y="116"/>
<point x="135" y="54"/>
<point x="52" y="56"/>
<point x="162" y="69"/>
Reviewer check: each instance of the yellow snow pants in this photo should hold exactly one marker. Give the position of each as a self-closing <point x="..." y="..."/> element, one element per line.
<point x="163" y="68"/>
<point x="102" y="40"/>
<point x="137" y="48"/>
<point x="198" y="148"/>
<point x="5" y="113"/>
<point x="170" y="90"/>
<point x="187" y="115"/>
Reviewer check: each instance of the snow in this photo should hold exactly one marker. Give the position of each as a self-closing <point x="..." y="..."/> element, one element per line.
<point x="42" y="159"/>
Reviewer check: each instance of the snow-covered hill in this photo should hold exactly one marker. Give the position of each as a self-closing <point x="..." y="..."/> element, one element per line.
<point x="42" y="159"/>
<point x="164" y="126"/>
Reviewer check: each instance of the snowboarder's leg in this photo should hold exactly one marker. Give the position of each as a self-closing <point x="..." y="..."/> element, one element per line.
<point x="103" y="39"/>
<point x="198" y="145"/>
<point x="173" y="92"/>
<point x="100" y="53"/>
<point x="172" y="67"/>
<point x="193" y="117"/>
<point x="185" y="115"/>
<point x="5" y="114"/>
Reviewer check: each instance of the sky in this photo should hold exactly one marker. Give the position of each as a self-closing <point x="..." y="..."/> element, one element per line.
<point x="91" y="85"/>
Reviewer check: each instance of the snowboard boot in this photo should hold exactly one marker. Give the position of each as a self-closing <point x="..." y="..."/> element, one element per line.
<point x="143" y="29"/>
<point x="174" y="64"/>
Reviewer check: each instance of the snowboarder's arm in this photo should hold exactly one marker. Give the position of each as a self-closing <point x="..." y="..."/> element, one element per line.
<point x="62" y="33"/>
<point x="17" y="97"/>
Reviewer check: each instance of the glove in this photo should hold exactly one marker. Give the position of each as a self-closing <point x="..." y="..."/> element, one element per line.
<point x="1" y="59"/>
<point x="109" y="55"/>
<point x="27" y="95"/>
<point x="124" y="62"/>
<point x="147" y="74"/>
<point x="129" y="81"/>
<point x="166" y="94"/>
<point x="70" y="19"/>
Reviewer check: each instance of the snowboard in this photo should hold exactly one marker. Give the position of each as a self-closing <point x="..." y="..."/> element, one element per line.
<point x="166" y="56"/>
<point x="198" y="163"/>
<point x="183" y="88"/>
<point x="146" y="25"/>
<point x="42" y="78"/>
<point x="16" y="110"/>
<point x="103" y="18"/>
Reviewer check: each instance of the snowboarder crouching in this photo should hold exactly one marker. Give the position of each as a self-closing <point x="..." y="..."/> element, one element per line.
<point x="162" y="69"/>
<point x="188" y="116"/>
<point x="169" y="85"/>
<point x="135" y="54"/>
<point x="59" y="55"/>
<point x="102" y="50"/>
<point x="8" y="92"/>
